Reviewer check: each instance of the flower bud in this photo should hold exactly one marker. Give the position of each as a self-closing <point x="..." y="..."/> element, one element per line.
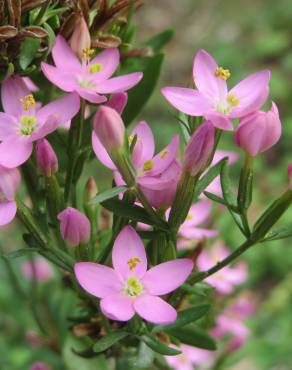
<point x="38" y="269"/>
<point x="259" y="131"/>
<point x="47" y="161"/>
<point x="199" y="148"/>
<point x="290" y="175"/>
<point x="40" y="366"/>
<point x="80" y="38"/>
<point x="118" y="101"/>
<point x="109" y="128"/>
<point x="90" y="188"/>
<point x="74" y="226"/>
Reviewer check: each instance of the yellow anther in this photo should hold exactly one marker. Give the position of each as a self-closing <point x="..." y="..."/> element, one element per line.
<point x="164" y="153"/>
<point x="130" y="139"/>
<point x="189" y="217"/>
<point x="87" y="53"/>
<point x="148" y="165"/>
<point x="222" y="73"/>
<point x="95" y="68"/>
<point x="133" y="262"/>
<point x="233" y="100"/>
<point x="27" y="102"/>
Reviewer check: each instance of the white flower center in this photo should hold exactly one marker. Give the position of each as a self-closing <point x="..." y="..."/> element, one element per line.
<point x="27" y="125"/>
<point x="133" y="287"/>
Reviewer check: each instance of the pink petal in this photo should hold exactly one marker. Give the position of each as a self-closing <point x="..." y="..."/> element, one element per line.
<point x="7" y="211"/>
<point x="97" y="279"/>
<point x="129" y="245"/>
<point x="118" y="101"/>
<point x="117" y="307"/>
<point x="197" y="233"/>
<point x="30" y="84"/>
<point x="14" y="151"/>
<point x="220" y="120"/>
<point x="8" y="125"/>
<point x="167" y="276"/>
<point x="154" y="309"/>
<point x="120" y="83"/>
<point x="273" y="128"/>
<point x="109" y="60"/>
<point x="188" y="101"/>
<point x="163" y="159"/>
<point x="64" y="56"/>
<point x="252" y="93"/>
<point x="90" y="95"/>
<point x="220" y="154"/>
<point x="144" y="148"/>
<point x="65" y="80"/>
<point x="101" y="153"/>
<point x="204" y="76"/>
<point x="12" y="90"/>
<point x="199" y="212"/>
<point x="9" y="181"/>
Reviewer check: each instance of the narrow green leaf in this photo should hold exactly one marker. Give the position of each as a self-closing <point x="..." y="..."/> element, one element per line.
<point x="139" y="95"/>
<point x="281" y="233"/>
<point x="220" y="200"/>
<point x="184" y="317"/>
<point x="194" y="337"/>
<point x="158" y="346"/>
<point x="20" y="253"/>
<point x="225" y="183"/>
<point x="108" y="194"/>
<point x="109" y="340"/>
<point x="157" y="42"/>
<point x="208" y="177"/>
<point x="29" y="48"/>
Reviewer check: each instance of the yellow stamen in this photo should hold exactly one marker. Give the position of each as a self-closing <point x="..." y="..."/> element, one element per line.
<point x="222" y="73"/>
<point x="233" y="100"/>
<point x="189" y="217"/>
<point x="133" y="262"/>
<point x="130" y="139"/>
<point x="27" y="102"/>
<point x="148" y="165"/>
<point x="95" y="68"/>
<point x="87" y="53"/>
<point x="164" y="153"/>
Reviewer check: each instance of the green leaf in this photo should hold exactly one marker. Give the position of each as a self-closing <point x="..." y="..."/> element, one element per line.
<point x="219" y="200"/>
<point x="184" y="317"/>
<point x="108" y="194"/>
<point x="145" y="357"/>
<point x="225" y="183"/>
<point x="206" y="179"/>
<point x="133" y="212"/>
<point x="158" y="346"/>
<point x="109" y="340"/>
<point x="20" y="253"/>
<point x="157" y="42"/>
<point x="194" y="337"/>
<point x="139" y="95"/>
<point x="281" y="233"/>
<point x="29" y="48"/>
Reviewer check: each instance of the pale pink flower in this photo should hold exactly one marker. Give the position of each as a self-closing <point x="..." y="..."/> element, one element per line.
<point x="9" y="183"/>
<point x="259" y="131"/>
<point x="128" y="287"/>
<point x="91" y="79"/>
<point x="156" y="174"/>
<point x="226" y="279"/>
<point x="190" y="357"/>
<point x="47" y="160"/>
<point x="22" y="123"/>
<point x="37" y="268"/>
<point x="74" y="226"/>
<point x="212" y="98"/>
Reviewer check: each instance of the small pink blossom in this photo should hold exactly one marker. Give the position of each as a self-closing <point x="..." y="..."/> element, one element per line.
<point x="9" y="183"/>
<point x="40" y="366"/>
<point x="47" y="160"/>
<point x="156" y="174"/>
<point x="212" y="98"/>
<point x="23" y="123"/>
<point x="226" y="279"/>
<point x="259" y="131"/>
<point x="128" y="287"/>
<point x="91" y="79"/>
<point x="38" y="268"/>
<point x="190" y="357"/>
<point x="74" y="226"/>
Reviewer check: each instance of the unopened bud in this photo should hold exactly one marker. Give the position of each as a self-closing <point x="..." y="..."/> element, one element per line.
<point x="47" y="161"/>
<point x="290" y="175"/>
<point x="80" y="39"/>
<point x="199" y="148"/>
<point x="90" y="188"/>
<point x="118" y="102"/>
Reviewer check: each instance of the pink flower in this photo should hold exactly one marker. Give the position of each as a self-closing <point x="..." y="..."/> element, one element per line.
<point x="9" y="183"/>
<point x="156" y="174"/>
<point x="189" y="357"/>
<point x="212" y="98"/>
<point x="290" y="175"/>
<point x="22" y="123"/>
<point x="47" y="160"/>
<point x="128" y="287"/>
<point x="259" y="131"/>
<point x="199" y="148"/>
<point x="189" y="230"/>
<point x="75" y="227"/>
<point x="226" y="279"/>
<point x="38" y="268"/>
<point x="40" y="366"/>
<point x="91" y="78"/>
<point x="80" y="38"/>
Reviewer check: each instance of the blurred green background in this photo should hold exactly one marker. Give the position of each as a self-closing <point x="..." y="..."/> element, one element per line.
<point x="243" y="36"/>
